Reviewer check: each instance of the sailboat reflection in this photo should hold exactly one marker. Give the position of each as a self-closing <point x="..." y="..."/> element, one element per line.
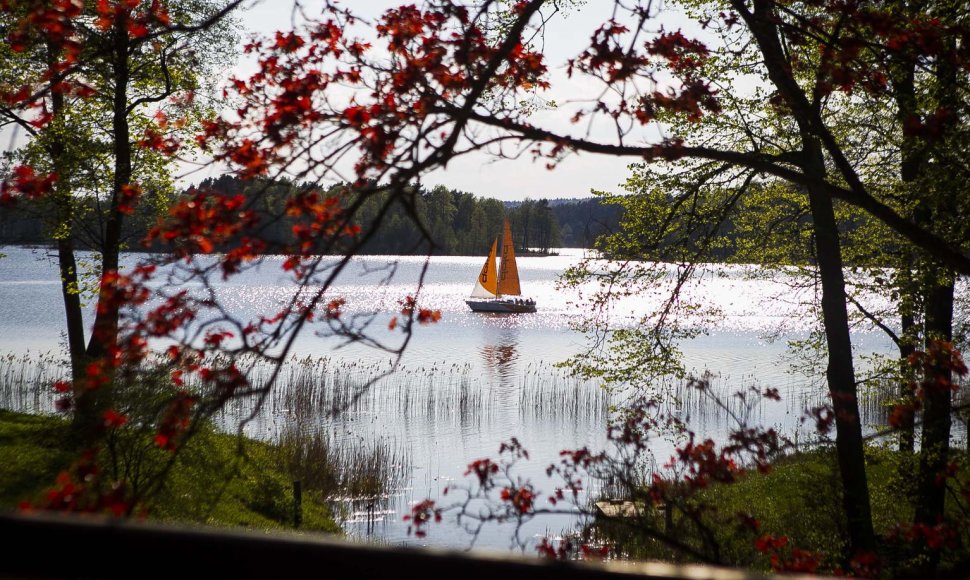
<point x="500" y="355"/>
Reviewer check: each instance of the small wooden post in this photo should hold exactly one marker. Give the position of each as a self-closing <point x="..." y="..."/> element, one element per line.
<point x="297" y="504"/>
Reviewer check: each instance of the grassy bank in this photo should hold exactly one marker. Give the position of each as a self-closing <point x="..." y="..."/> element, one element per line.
<point x="799" y="498"/>
<point x="215" y="481"/>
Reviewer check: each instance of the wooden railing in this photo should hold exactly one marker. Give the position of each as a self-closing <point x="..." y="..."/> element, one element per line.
<point x="54" y="546"/>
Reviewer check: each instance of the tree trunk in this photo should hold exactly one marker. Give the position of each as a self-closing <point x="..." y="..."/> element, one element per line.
<point x="839" y="371"/>
<point x="105" y="334"/>
<point x="63" y="229"/>
<point x="907" y="425"/>
<point x="937" y="406"/>
<point x="762" y="20"/>
<point x="104" y="337"/>
<point x="935" y="441"/>
<point x="64" y="233"/>
<point x="903" y="70"/>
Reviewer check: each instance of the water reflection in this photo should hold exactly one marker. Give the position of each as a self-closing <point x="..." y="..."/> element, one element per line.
<point x="500" y="350"/>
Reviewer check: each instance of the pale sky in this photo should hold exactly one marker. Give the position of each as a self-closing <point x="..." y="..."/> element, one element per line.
<point x="480" y="174"/>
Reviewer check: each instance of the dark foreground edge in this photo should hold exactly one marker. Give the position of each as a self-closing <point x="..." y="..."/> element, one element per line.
<point x="56" y="546"/>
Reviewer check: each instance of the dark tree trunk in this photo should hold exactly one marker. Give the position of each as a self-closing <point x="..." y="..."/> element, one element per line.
<point x="105" y="334"/>
<point x="935" y="441"/>
<point x="64" y="226"/>
<point x="83" y="418"/>
<point x="839" y="371"/>
<point x="104" y="337"/>
<point x="903" y="70"/>
<point x="937" y="406"/>
<point x="907" y="425"/>
<point x="762" y="20"/>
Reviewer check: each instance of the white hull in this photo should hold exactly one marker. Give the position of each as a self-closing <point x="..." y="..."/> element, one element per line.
<point x="507" y="305"/>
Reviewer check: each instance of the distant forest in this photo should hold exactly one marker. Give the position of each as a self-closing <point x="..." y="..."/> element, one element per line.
<point x="460" y="223"/>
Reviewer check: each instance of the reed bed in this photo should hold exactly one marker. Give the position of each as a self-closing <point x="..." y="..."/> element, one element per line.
<point x="321" y="388"/>
<point x="311" y="389"/>
<point x="345" y="470"/>
<point x="26" y="381"/>
<point x="546" y="391"/>
<point x="719" y="403"/>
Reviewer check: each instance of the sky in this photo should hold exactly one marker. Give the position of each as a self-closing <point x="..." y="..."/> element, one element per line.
<point x="575" y="177"/>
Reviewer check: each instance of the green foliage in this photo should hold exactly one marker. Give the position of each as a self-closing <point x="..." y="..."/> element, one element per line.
<point x="33" y="450"/>
<point x="218" y="479"/>
<point x="458" y="223"/>
<point x="224" y="480"/>
<point x="799" y="498"/>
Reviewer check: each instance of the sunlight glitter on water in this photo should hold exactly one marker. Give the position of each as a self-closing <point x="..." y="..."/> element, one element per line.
<point x="503" y="363"/>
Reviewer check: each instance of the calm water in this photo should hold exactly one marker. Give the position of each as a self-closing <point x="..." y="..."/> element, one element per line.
<point x="501" y="366"/>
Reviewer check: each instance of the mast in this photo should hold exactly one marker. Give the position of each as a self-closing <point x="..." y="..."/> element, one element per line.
<point x="508" y="276"/>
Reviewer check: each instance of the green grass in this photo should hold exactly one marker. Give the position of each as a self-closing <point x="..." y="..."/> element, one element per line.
<point x="32" y="452"/>
<point x="800" y="497"/>
<point x="218" y="480"/>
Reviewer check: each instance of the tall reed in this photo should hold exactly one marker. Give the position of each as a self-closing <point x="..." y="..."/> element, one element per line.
<point x="26" y="381"/>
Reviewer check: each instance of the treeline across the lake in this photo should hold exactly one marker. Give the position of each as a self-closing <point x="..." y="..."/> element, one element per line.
<point x="460" y="223"/>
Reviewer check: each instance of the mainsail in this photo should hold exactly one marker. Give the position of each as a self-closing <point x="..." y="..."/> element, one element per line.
<point x="486" y="285"/>
<point x="508" y="278"/>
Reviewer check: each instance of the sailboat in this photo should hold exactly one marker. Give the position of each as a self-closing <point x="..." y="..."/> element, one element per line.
<point x="497" y="290"/>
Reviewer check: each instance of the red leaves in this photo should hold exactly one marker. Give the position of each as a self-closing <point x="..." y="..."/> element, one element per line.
<point x="224" y="381"/>
<point x="796" y="559"/>
<point x="939" y="537"/>
<point x="522" y="499"/>
<point x="428" y="316"/>
<point x="168" y="317"/>
<point x="334" y="309"/>
<point x="357" y="116"/>
<point x="937" y="365"/>
<point x="52" y="20"/>
<point x="617" y="64"/>
<point x="484" y="470"/>
<point x="113" y="419"/>
<point x="25" y="182"/>
<point x="83" y="488"/>
<point x="931" y="127"/>
<point x="126" y="15"/>
<point x="175" y="421"/>
<point x="607" y="56"/>
<point x="128" y="197"/>
<point x="250" y="158"/>
<point x="411" y="312"/>
<point x="705" y="464"/>
<point x="566" y="550"/>
<point x="548" y="550"/>
<point x="422" y="513"/>
<point x="824" y="417"/>
<point x="197" y="224"/>
<point x="903" y="414"/>
<point x="118" y="290"/>
<point x="436" y="58"/>
<point x="289" y="42"/>
<point x="156" y="141"/>
<point x="769" y="543"/>
<point x="684" y="55"/>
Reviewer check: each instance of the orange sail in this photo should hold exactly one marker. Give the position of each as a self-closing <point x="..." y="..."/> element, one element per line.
<point x="508" y="276"/>
<point x="487" y="283"/>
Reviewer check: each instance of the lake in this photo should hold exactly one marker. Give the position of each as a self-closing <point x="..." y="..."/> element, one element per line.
<point x="472" y="381"/>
